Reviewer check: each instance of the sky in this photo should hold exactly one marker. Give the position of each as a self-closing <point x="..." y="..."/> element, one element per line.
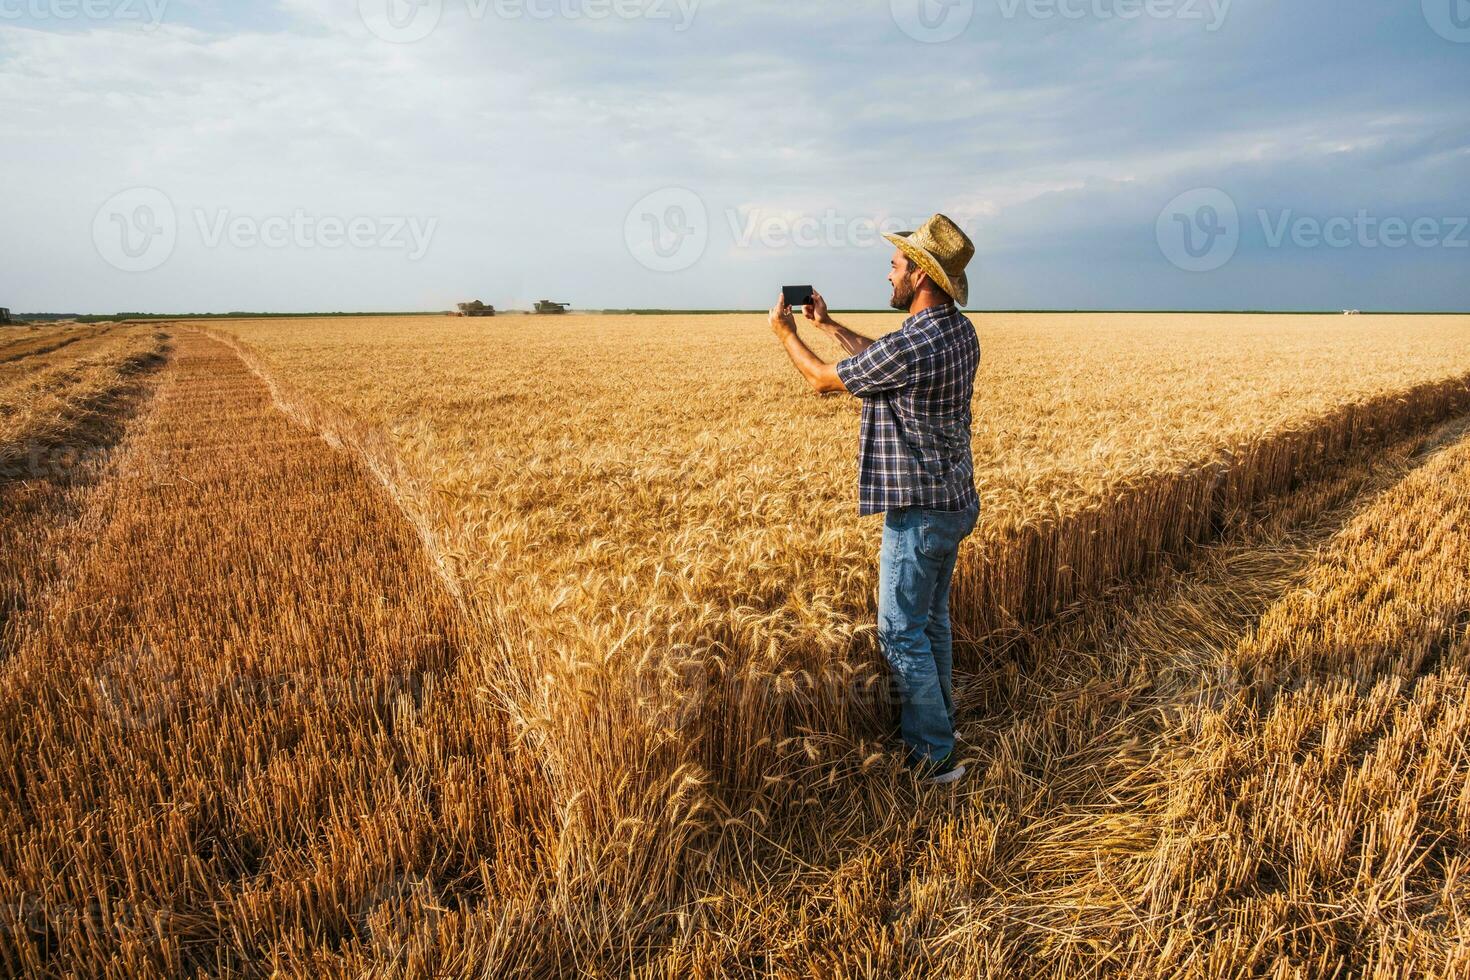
<point x="353" y="155"/>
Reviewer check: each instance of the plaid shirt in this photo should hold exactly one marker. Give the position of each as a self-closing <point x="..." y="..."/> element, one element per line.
<point x="916" y="385"/>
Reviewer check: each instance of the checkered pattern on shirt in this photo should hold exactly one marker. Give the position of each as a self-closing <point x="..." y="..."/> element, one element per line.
<point x="916" y="385"/>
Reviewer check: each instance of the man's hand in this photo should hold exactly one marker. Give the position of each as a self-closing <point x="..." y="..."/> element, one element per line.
<point x="816" y="311"/>
<point x="821" y="375"/>
<point x="781" y="320"/>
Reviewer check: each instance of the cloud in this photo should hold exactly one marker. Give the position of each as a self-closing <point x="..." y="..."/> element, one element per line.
<point x="527" y="139"/>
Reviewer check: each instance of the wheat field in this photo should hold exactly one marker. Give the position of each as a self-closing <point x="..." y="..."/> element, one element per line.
<point x="544" y="646"/>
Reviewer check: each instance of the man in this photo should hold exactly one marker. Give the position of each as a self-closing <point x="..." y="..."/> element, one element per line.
<point x="914" y="463"/>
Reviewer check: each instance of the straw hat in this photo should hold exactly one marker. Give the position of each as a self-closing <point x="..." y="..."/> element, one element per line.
<point x="941" y="249"/>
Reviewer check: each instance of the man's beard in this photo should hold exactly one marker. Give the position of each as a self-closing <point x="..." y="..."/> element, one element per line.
<point x="903" y="295"/>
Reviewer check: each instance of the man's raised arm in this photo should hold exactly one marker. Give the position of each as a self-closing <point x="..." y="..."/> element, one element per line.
<point x="816" y="311"/>
<point x="818" y="373"/>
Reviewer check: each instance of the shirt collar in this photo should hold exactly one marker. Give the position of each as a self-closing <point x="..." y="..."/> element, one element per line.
<point x="941" y="311"/>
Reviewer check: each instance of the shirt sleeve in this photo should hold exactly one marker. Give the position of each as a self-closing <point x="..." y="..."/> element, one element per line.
<point x="886" y="365"/>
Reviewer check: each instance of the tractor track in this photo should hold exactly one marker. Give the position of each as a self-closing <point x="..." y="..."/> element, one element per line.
<point x="1075" y="740"/>
<point x="8" y="355"/>
<point x="245" y="672"/>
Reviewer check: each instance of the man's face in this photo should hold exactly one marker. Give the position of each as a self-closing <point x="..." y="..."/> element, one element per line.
<point x="902" y="275"/>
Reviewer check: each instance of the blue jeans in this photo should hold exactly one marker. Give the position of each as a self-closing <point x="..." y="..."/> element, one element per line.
<point x="914" y="572"/>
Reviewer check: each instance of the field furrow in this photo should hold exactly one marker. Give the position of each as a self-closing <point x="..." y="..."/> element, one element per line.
<point x="45" y="399"/>
<point x="45" y="344"/>
<point x="1164" y="791"/>
<point x="236" y="735"/>
<point x="59" y="427"/>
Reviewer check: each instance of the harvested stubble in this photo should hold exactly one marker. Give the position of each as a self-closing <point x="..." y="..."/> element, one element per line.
<point x="19" y="343"/>
<point x="49" y="389"/>
<point x="61" y="408"/>
<point x="1321" y="816"/>
<point x="653" y="525"/>
<point x="224" y="745"/>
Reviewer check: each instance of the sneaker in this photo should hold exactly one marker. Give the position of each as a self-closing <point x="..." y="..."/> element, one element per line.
<point x="949" y="772"/>
<point x="940" y="773"/>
